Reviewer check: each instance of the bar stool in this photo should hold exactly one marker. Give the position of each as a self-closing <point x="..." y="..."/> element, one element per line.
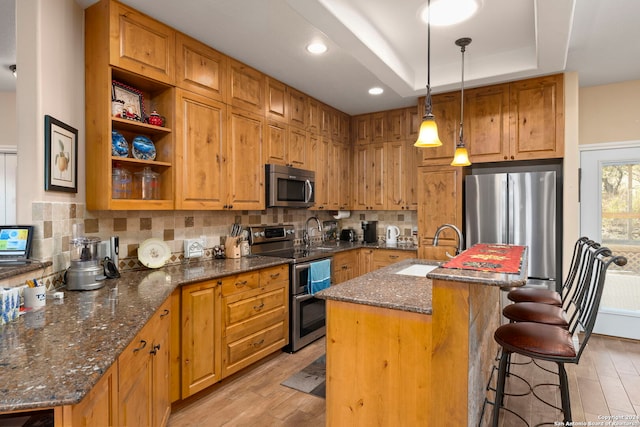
<point x="554" y="343"/>
<point x="548" y="296"/>
<point x="575" y="288"/>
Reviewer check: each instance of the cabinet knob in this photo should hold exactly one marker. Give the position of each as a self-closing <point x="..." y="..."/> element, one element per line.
<point x="276" y="275"/>
<point x="259" y="307"/>
<point x="512" y="157"/>
<point x="143" y="344"/>
<point x="258" y="343"/>
<point x="165" y="312"/>
<point x="505" y="157"/>
<point x="241" y="284"/>
<point x="155" y="349"/>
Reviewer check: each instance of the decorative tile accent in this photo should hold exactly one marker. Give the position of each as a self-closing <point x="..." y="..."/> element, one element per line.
<point x="119" y="224"/>
<point x="91" y="226"/>
<point x="47" y="229"/>
<point x="168" y="235"/>
<point x="188" y="221"/>
<point x="145" y="223"/>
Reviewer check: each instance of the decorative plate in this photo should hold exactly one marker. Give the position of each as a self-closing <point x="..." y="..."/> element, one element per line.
<point x="119" y="145"/>
<point x="153" y="253"/>
<point x="143" y="148"/>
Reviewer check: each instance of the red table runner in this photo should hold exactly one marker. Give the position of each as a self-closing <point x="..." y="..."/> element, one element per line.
<point x="495" y="258"/>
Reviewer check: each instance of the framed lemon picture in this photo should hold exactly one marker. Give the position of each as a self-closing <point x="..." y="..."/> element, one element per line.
<point x="60" y="156"/>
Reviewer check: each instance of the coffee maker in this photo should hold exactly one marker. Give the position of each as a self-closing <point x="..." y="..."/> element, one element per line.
<point x="370" y="231"/>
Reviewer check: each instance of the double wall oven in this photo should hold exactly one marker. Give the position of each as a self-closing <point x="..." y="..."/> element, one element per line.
<point x="306" y="312"/>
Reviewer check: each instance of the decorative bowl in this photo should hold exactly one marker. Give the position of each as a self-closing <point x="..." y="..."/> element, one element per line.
<point x="143" y="148"/>
<point x="119" y="145"/>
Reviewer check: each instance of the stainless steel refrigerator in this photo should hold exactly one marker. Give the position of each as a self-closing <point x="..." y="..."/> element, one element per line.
<point x="518" y="209"/>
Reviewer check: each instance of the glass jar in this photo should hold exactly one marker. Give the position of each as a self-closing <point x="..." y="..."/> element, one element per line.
<point x="147" y="184"/>
<point x="121" y="183"/>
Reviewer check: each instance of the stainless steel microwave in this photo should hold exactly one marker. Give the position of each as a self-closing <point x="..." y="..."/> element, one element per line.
<point x="289" y="187"/>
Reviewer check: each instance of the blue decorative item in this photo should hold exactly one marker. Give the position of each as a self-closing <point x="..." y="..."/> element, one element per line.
<point x="119" y="145"/>
<point x="143" y="148"/>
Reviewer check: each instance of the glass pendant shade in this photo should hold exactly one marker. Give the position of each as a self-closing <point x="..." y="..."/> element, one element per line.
<point x="428" y="136"/>
<point x="461" y="157"/>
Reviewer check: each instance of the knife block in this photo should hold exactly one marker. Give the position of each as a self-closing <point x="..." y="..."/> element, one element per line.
<point x="232" y="247"/>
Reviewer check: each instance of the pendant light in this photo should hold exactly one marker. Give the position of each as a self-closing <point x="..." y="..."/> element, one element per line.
<point x="428" y="135"/>
<point x="461" y="156"/>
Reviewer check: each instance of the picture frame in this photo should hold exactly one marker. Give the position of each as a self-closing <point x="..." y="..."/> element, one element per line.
<point x="60" y="156"/>
<point x="132" y="98"/>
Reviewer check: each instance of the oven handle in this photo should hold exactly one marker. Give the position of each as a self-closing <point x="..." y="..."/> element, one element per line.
<point x="303" y="297"/>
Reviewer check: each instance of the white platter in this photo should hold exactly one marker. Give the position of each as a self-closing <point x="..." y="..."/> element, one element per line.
<point x="153" y="253"/>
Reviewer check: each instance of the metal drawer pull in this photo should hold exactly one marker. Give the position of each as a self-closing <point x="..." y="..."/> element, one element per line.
<point x="273" y="276"/>
<point x="143" y="345"/>
<point x="241" y="284"/>
<point x="165" y="312"/>
<point x="259" y="343"/>
<point x="259" y="307"/>
<point x="393" y="256"/>
<point x="155" y="349"/>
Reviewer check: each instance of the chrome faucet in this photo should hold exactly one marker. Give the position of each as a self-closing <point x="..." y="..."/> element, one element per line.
<point x="305" y="233"/>
<point x="458" y="232"/>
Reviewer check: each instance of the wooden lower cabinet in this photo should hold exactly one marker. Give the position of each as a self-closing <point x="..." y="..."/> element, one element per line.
<point x="345" y="266"/>
<point x="100" y="405"/>
<point x="230" y="323"/>
<point x="374" y="259"/>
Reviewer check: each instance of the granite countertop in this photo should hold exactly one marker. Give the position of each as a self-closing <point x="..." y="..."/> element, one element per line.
<point x="384" y="288"/>
<point x="9" y="271"/>
<point x="53" y="356"/>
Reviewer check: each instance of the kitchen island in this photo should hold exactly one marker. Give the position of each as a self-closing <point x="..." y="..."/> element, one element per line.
<point x="410" y="350"/>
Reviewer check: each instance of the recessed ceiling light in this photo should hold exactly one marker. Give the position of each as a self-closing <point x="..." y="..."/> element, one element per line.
<point x="450" y="12"/>
<point x="317" y="48"/>
<point x="376" y="91"/>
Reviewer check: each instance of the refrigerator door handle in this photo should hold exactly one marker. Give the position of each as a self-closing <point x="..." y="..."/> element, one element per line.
<point x="511" y="208"/>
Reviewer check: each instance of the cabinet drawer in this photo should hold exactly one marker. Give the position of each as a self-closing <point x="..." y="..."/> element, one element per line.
<point x="279" y="274"/>
<point x="256" y="323"/>
<point x="245" y="351"/>
<point x="239" y="283"/>
<point x="238" y="310"/>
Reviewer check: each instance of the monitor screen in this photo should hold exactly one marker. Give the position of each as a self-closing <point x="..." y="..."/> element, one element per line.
<point x="15" y="240"/>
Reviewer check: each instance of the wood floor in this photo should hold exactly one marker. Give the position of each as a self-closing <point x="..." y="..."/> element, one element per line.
<point x="607" y="382"/>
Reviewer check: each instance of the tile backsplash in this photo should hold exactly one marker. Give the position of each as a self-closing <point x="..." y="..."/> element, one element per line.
<point x="53" y="228"/>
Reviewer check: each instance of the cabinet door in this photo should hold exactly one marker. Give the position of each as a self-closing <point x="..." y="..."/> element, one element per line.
<point x="135" y="390"/>
<point x="277" y="102"/>
<point x="298" y="114"/>
<point x="344" y="170"/>
<point x="395" y="130"/>
<point x="366" y="261"/>
<point x="378" y="174"/>
<point x="412" y="120"/>
<point x="537" y="118"/>
<point x="100" y="405"/>
<point x="275" y="142"/>
<point x="323" y="174"/>
<point x="201" y="341"/>
<point x="345" y="266"/>
<point x="297" y="148"/>
<point x="200" y="160"/>
<point x="361" y="160"/>
<point x="486" y="123"/>
<point x="385" y="257"/>
<point x="396" y="179"/>
<point x="378" y="127"/>
<point x="245" y="167"/>
<point x="361" y="127"/>
<point x="439" y="202"/>
<point x="141" y="44"/>
<point x="200" y="69"/>
<point x="411" y="175"/>
<point x="446" y="109"/>
<point x="161" y="364"/>
<point x="246" y="87"/>
<point x="313" y="116"/>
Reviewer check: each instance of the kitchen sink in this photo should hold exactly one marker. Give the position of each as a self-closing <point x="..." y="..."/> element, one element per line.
<point x="419" y="270"/>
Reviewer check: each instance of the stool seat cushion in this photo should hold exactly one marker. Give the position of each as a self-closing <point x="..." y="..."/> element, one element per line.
<point x="543" y="296"/>
<point x="536" y="312"/>
<point x="537" y="340"/>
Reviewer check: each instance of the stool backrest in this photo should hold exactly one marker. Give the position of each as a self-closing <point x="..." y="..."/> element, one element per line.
<point x="577" y="270"/>
<point x="587" y="302"/>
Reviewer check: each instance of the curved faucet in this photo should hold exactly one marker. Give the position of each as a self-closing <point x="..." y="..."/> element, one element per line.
<point x="458" y="233"/>
<point x="305" y="233"/>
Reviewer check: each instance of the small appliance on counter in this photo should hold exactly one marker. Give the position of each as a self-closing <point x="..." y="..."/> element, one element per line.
<point x="85" y="272"/>
<point x="330" y="229"/>
<point x="348" y="235"/>
<point x="391" y="236"/>
<point x="370" y="229"/>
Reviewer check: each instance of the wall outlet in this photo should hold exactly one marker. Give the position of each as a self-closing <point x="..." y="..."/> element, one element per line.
<point x="193" y="248"/>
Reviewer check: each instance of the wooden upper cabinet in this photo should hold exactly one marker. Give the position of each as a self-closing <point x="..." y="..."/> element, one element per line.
<point x="298" y="102"/>
<point x="446" y="109"/>
<point x="200" y="157"/>
<point x="412" y="120"/>
<point x="395" y="130"/>
<point x="245" y="165"/>
<point x="378" y="126"/>
<point x="486" y="123"/>
<point x="537" y="118"/>
<point x="141" y="44"/>
<point x="200" y="69"/>
<point x="313" y="116"/>
<point x="246" y="87"/>
<point x="276" y="143"/>
<point x="361" y="129"/>
<point x="277" y="102"/>
<point x="297" y="148"/>
<point x="326" y="120"/>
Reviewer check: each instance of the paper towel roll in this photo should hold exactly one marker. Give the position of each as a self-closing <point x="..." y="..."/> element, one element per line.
<point x="342" y="214"/>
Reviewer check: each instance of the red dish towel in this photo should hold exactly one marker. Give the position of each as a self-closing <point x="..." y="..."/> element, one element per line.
<point x="489" y="257"/>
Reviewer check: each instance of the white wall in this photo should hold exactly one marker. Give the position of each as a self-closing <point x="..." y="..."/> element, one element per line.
<point x="8" y="136"/>
<point x="50" y="57"/>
